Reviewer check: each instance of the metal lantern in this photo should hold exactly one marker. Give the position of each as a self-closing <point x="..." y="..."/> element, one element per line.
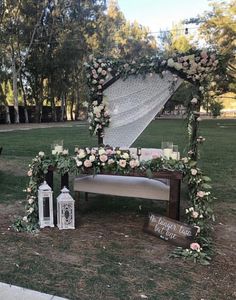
<point x="45" y="205"/>
<point x="65" y="210"/>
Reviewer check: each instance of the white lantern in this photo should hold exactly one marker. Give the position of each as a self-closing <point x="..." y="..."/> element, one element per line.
<point x="45" y="205"/>
<point x="65" y="210"/>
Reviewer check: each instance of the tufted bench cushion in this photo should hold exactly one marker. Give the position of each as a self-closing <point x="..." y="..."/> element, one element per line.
<point x="139" y="187"/>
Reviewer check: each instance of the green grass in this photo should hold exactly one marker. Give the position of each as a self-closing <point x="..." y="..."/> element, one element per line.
<point x="97" y="261"/>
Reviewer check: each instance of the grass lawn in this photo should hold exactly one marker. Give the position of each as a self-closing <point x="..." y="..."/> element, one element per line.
<point x="108" y="256"/>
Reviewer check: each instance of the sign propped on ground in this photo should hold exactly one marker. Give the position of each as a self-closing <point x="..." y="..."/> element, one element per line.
<point x="175" y="232"/>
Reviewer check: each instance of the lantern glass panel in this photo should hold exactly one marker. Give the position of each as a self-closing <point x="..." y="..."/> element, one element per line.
<point x="46" y="211"/>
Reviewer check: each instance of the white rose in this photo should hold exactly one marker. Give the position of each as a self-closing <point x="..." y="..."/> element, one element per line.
<point x="54" y="152"/>
<point x="25" y="219"/>
<point x="195" y="214"/>
<point x="85" y="104"/>
<point x="79" y="163"/>
<point x="101" y="151"/>
<point x="194" y="101"/>
<point x="31" y="201"/>
<point x="65" y="151"/>
<point x="41" y="153"/>
<point x="125" y="155"/>
<point x="81" y="154"/>
<point x="92" y="158"/>
<point x="178" y="66"/>
<point x="30" y="210"/>
<point x="110" y="161"/>
<point x="170" y="62"/>
<point x="194" y="172"/>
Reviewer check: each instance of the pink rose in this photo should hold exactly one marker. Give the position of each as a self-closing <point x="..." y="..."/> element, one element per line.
<point x="195" y="246"/>
<point x="103" y="158"/>
<point x="87" y="163"/>
<point x="204" y="54"/>
<point x="201" y="194"/>
<point x="122" y="163"/>
<point x="109" y="151"/>
<point x="106" y="113"/>
<point x="30" y="173"/>
<point x="133" y="163"/>
<point x="93" y="151"/>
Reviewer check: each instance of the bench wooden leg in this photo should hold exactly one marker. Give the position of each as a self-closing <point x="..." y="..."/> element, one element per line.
<point x="174" y="201"/>
<point x="86" y="196"/>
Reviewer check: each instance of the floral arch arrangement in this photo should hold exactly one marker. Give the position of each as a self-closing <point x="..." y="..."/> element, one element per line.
<point x="199" y="68"/>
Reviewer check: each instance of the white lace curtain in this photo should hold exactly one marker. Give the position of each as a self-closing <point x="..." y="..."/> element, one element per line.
<point x="133" y="103"/>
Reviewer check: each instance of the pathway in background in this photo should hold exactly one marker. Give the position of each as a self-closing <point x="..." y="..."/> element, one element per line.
<point x="28" y="126"/>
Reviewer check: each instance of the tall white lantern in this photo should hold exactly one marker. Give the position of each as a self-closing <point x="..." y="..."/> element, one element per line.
<point x="45" y="205"/>
<point x="65" y="210"/>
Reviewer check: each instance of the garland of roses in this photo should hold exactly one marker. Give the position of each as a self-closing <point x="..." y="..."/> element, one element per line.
<point x="120" y="162"/>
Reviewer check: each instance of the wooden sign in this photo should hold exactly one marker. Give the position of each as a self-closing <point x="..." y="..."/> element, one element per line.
<point x="170" y="230"/>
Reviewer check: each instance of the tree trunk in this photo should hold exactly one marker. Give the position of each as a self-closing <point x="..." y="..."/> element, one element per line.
<point x="72" y="106"/>
<point x="52" y="100"/>
<point x="63" y="98"/>
<point x="76" y="104"/>
<point x="53" y="107"/>
<point x="4" y="100"/>
<point x="7" y="114"/>
<point x="38" y="112"/>
<point x="15" y="92"/>
<point x="25" y="100"/>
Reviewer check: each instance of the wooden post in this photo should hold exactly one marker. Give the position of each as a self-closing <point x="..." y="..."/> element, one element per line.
<point x="100" y="138"/>
<point x="65" y="180"/>
<point x="174" y="201"/>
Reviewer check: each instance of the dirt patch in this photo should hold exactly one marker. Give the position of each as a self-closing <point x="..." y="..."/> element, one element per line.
<point x="110" y="249"/>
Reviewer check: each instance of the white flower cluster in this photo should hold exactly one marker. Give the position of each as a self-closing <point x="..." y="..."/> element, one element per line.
<point x="196" y="67"/>
<point x="98" y="117"/>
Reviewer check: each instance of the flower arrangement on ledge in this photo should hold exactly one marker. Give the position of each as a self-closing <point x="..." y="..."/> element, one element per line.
<point x="122" y="162"/>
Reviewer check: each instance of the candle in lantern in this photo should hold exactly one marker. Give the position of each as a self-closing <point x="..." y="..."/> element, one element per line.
<point x="58" y="148"/>
<point x="175" y="155"/>
<point x="167" y="152"/>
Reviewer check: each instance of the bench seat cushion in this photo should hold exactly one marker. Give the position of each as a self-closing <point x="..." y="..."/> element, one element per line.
<point x="126" y="186"/>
